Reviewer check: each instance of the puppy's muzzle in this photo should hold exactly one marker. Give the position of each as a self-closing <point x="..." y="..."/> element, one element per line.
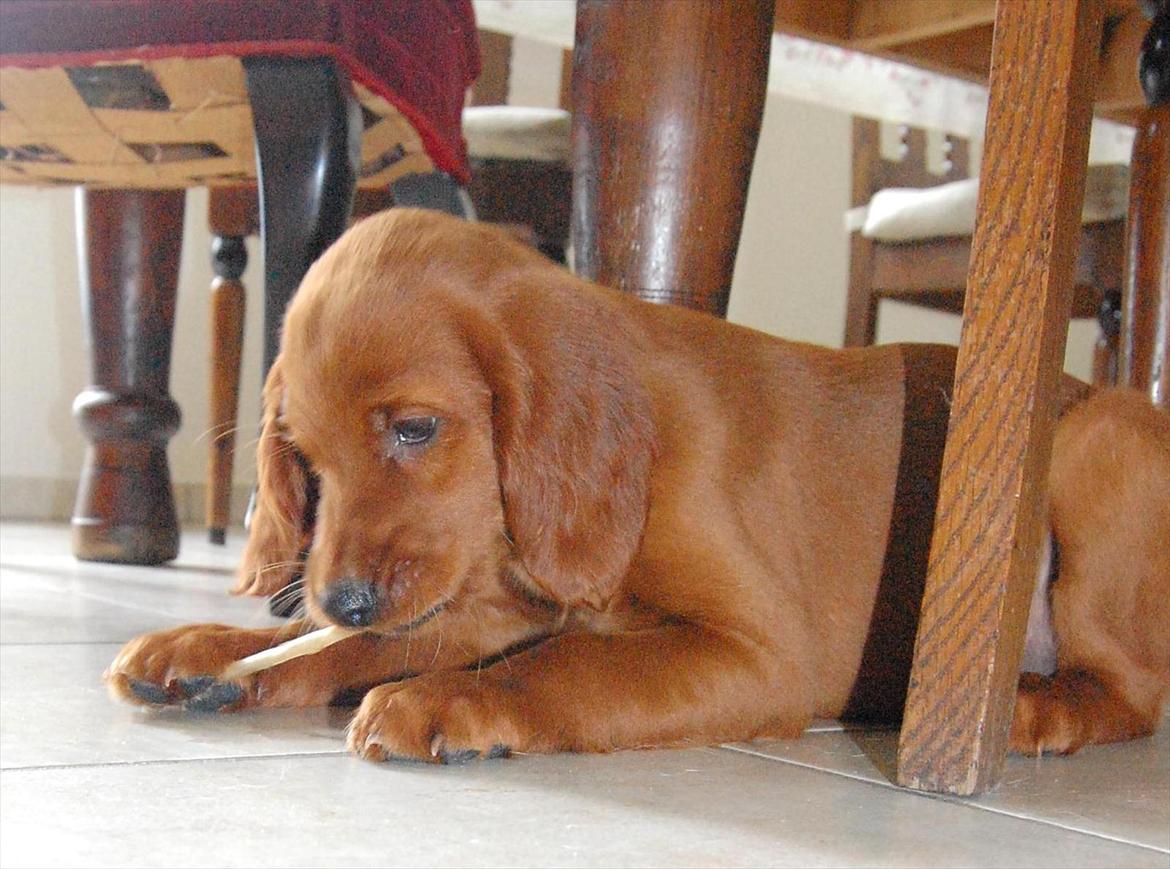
<point x="351" y="602"/>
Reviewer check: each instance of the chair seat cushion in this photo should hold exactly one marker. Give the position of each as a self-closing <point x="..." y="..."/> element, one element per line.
<point x="151" y="93"/>
<point x="948" y="210"/>
<point x="517" y="133"/>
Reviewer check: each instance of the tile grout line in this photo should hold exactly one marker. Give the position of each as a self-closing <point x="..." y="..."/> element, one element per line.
<point x="170" y="761"/>
<point x="35" y="644"/>
<point x="952" y="800"/>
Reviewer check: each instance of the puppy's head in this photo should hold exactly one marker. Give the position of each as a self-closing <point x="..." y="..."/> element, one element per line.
<point x="467" y="410"/>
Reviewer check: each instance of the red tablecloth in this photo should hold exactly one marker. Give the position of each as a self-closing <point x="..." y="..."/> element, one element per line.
<point x="419" y="55"/>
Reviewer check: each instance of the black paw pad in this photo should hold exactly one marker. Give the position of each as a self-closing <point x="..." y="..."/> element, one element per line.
<point x="193" y="685"/>
<point x="458" y="756"/>
<point x="215" y="697"/>
<point x="148" y="691"/>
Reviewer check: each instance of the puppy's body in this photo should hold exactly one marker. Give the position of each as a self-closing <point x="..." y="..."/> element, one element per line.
<point x="636" y="524"/>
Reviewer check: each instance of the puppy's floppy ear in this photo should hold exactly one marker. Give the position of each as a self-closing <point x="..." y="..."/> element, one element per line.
<point x="282" y="518"/>
<point x="574" y="437"/>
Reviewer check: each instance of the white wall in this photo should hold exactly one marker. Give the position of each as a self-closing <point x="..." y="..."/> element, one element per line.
<point x="790" y="280"/>
<point x="43" y="357"/>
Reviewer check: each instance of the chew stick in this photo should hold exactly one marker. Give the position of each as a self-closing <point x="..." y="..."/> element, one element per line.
<point x="309" y="644"/>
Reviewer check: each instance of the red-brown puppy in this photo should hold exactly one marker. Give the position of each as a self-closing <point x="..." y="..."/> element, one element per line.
<point x="574" y="521"/>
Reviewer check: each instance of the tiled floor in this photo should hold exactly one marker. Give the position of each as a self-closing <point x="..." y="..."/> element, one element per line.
<point x="86" y="782"/>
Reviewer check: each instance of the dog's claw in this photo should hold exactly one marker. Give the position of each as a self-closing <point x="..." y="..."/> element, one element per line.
<point x="215" y="697"/>
<point x="194" y="685"/>
<point x="460" y="756"/>
<point x="148" y="691"/>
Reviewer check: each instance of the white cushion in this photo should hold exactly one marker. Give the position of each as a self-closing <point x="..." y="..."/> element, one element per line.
<point x="517" y="133"/>
<point x="906" y="214"/>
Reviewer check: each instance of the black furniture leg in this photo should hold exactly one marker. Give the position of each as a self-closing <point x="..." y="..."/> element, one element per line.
<point x="308" y="138"/>
<point x="308" y="151"/>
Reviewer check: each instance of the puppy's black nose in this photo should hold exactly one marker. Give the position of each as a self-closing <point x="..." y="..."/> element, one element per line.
<point x="351" y="602"/>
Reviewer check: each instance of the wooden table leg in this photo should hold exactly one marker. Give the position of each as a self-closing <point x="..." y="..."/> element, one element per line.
<point x="667" y="103"/>
<point x="129" y="247"/>
<point x="986" y="543"/>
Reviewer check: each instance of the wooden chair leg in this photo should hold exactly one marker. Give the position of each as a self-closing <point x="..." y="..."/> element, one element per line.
<point x="1146" y="298"/>
<point x="659" y="183"/>
<point x="987" y="533"/>
<point x="308" y="132"/>
<point x="130" y="243"/>
<point x="231" y="216"/>
<point x="861" y="304"/>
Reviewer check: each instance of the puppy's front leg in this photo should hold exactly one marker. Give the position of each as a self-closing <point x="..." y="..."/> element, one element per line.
<point x="671" y="685"/>
<point x="179" y="666"/>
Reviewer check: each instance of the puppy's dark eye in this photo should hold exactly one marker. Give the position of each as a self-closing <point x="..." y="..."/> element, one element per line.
<point x="415" y="431"/>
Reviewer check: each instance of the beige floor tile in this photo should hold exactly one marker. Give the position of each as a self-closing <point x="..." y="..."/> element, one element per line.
<point x="1116" y="791"/>
<point x="89" y="782"/>
<point x="657" y="808"/>
<point x="56" y="712"/>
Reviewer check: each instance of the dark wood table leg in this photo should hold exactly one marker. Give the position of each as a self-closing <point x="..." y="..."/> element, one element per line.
<point x="667" y="103"/>
<point x="308" y="139"/>
<point x="1145" y="331"/>
<point x="988" y="525"/>
<point x="129" y="246"/>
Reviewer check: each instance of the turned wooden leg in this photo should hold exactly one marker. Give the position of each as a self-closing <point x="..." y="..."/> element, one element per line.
<point x="308" y="138"/>
<point x="232" y="216"/>
<point x="129" y="247"/>
<point x="987" y="532"/>
<point x="667" y="103"/>
<point x="1145" y="341"/>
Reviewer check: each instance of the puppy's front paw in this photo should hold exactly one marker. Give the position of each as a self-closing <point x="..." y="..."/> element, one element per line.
<point x="449" y="717"/>
<point x="178" y="668"/>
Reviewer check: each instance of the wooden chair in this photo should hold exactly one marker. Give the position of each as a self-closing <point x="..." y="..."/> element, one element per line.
<point x="919" y="260"/>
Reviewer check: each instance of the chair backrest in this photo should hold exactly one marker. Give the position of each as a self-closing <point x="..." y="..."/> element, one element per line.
<point x="873" y="171"/>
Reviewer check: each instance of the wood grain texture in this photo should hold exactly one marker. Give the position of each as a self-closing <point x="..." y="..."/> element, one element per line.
<point x="880" y="23"/>
<point x="823" y="20"/>
<point x="1146" y="298"/>
<point x="668" y="99"/>
<point x="987" y="529"/>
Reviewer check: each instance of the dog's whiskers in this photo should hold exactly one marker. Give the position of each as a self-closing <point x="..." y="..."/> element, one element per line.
<point x="217" y="432"/>
<point x="293" y="589"/>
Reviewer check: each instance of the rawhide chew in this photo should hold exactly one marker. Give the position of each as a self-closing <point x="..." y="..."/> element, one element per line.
<point x="309" y="644"/>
